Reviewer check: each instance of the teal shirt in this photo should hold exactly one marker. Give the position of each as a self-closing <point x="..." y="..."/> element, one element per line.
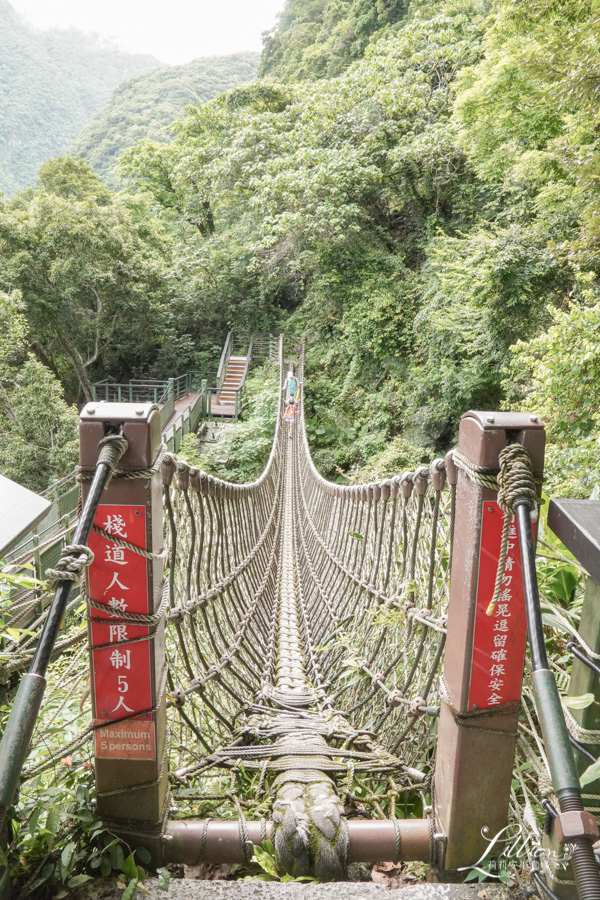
<point x="291" y="385"/>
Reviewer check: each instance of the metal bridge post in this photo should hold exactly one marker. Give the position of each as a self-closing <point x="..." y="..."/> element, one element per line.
<point x="127" y="656"/>
<point x="484" y="653"/>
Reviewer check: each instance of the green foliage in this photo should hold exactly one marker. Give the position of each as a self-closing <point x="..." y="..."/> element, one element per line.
<point x="399" y="455"/>
<point x="38" y="430"/>
<point x="51" y="83"/>
<point x="418" y="213"/>
<point x="426" y="207"/>
<point x="90" y="270"/>
<point x="145" y="107"/>
<point x="557" y="375"/>
<point x="323" y="195"/>
<point x="242" y="450"/>
<point x="319" y="38"/>
<point x="58" y="844"/>
<point x="12" y="579"/>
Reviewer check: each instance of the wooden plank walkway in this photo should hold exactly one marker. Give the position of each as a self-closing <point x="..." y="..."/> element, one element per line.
<point x="221" y="410"/>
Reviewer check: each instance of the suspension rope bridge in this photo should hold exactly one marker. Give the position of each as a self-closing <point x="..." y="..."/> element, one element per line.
<point x="273" y="658"/>
<point x="282" y="645"/>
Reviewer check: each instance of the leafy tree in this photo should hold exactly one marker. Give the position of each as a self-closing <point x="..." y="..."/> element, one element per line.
<point x="419" y="194"/>
<point x="557" y="375"/>
<point x="321" y="198"/>
<point x="320" y="38"/>
<point x="38" y="431"/>
<point x="90" y="272"/>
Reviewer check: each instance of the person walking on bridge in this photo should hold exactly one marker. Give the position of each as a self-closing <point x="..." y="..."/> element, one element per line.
<point x="290" y="388"/>
<point x="290" y="414"/>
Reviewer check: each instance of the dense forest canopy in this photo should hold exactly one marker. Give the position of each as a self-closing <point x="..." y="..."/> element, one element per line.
<point x="415" y="185"/>
<point x="51" y="83"/>
<point x="319" y="38"/>
<point x="146" y="106"/>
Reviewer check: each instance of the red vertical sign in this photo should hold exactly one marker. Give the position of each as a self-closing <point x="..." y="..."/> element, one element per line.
<point x="499" y="644"/>
<point x="118" y="580"/>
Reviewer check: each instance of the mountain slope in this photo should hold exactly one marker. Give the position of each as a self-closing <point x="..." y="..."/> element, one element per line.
<point x="145" y="107"/>
<point x="50" y="84"/>
<point x="320" y="38"/>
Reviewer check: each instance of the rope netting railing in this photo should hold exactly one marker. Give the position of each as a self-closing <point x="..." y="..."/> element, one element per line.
<point x="384" y="548"/>
<point x="305" y="626"/>
<point x="222" y="572"/>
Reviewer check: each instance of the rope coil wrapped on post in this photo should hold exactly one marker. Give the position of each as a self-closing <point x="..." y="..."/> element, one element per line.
<point x="515" y="482"/>
<point x="75" y="558"/>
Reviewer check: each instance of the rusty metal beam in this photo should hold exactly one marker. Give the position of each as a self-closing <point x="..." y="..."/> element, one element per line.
<point x="195" y="841"/>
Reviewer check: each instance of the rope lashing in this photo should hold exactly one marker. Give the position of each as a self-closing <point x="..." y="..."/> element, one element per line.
<point x="310" y="832"/>
<point x="129" y="474"/>
<point x="484" y="476"/>
<point x="515" y="484"/>
<point x="126" y="545"/>
<point x="246" y="843"/>
<point x="111" y="447"/>
<point x="75" y="558"/>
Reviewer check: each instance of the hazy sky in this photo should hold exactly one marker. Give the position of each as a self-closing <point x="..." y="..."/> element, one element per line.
<point x="175" y="31"/>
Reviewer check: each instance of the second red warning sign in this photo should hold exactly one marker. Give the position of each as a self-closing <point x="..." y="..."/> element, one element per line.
<point x="499" y="644"/>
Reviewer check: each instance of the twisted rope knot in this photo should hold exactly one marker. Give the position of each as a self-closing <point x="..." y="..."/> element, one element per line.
<point x="74" y="560"/>
<point x="515" y="481"/>
<point x="112" y="447"/>
<point x="516" y="485"/>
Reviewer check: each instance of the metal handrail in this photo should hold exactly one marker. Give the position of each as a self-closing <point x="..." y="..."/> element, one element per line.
<point x="66" y="479"/>
<point x="135" y="391"/>
<point x="257" y="346"/>
<point x="224" y="361"/>
<point x="248" y="359"/>
<point x="563" y="772"/>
